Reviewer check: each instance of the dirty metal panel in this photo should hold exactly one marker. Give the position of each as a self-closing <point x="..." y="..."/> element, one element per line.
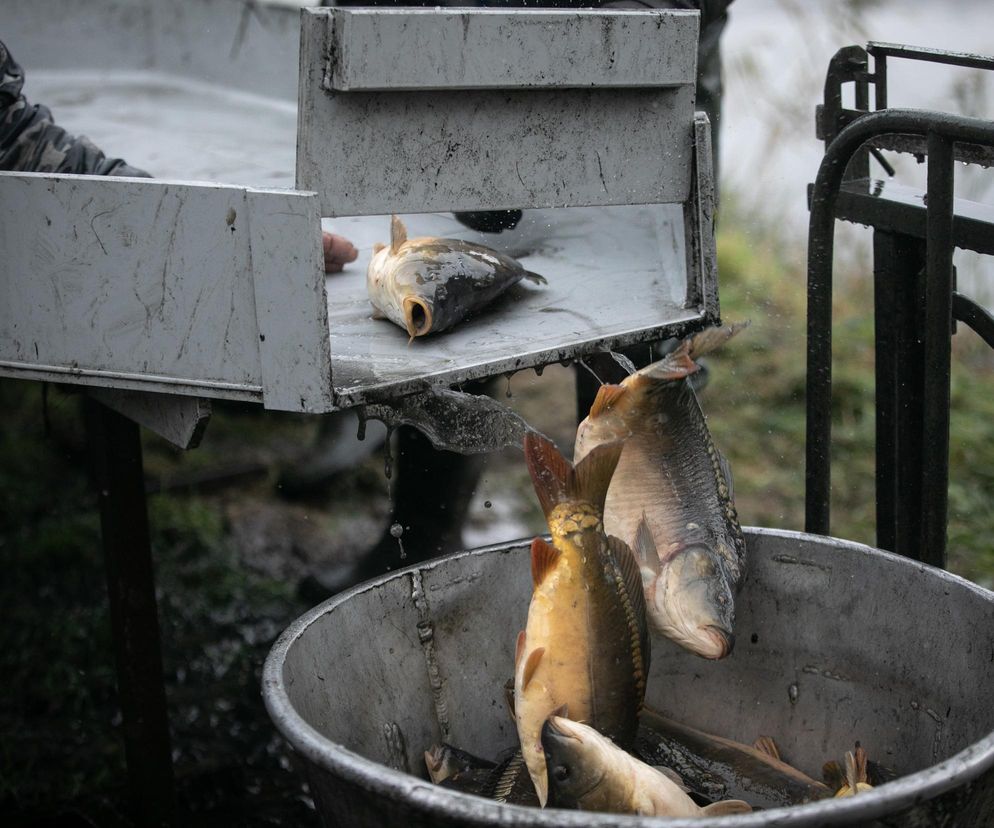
<point x="140" y="284"/>
<point x="180" y="420"/>
<point x="239" y="45"/>
<point x="369" y="153"/>
<point x="616" y="275"/>
<point x="422" y="49"/>
<point x="289" y="300"/>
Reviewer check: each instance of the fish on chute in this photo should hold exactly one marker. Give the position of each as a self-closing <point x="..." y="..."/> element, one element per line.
<point x="586" y="643"/>
<point x="672" y="478"/>
<point x="429" y="284"/>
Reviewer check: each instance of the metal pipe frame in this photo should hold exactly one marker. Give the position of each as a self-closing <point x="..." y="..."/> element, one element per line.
<point x="941" y="132"/>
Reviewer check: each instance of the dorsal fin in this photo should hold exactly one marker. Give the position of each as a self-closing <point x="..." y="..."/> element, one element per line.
<point x="726" y="471"/>
<point x="607" y="396"/>
<point x="726" y="807"/>
<point x="531" y="665"/>
<point x="398" y="234"/>
<point x="556" y="481"/>
<point x="544" y="557"/>
<point x="631" y="576"/>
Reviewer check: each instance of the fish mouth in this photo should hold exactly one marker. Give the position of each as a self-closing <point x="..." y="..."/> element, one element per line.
<point x="417" y="316"/>
<point x="555" y="728"/>
<point x="721" y="642"/>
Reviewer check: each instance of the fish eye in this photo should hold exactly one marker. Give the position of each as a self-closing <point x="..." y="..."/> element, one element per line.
<point x="561" y="773"/>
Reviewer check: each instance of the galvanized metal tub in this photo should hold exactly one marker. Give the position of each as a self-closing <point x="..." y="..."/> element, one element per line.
<point x="836" y="642"/>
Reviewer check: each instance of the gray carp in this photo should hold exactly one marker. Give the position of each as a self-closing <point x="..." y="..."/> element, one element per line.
<point x="429" y="284"/>
<point x="673" y="477"/>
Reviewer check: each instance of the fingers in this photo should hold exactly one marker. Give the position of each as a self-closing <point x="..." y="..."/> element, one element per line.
<point x="338" y="252"/>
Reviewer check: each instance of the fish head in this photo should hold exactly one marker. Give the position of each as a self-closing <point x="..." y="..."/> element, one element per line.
<point x="693" y="603"/>
<point x="576" y="761"/>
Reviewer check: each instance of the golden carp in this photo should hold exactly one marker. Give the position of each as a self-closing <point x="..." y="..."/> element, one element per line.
<point x="428" y="284"/>
<point x="720" y="768"/>
<point x="588" y="771"/>
<point x="586" y="642"/>
<point x="672" y="476"/>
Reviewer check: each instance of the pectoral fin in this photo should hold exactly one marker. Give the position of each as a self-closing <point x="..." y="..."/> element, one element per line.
<point x="531" y="665"/>
<point x="544" y="557"/>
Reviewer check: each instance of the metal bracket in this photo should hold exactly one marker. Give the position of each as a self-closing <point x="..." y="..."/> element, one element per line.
<point x="178" y="419"/>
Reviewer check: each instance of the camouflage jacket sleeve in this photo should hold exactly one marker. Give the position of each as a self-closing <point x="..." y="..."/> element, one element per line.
<point x="30" y="141"/>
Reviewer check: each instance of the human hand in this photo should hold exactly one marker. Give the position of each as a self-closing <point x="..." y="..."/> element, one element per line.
<point x="338" y="252"/>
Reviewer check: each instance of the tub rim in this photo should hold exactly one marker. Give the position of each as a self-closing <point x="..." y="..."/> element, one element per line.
<point x="352" y="767"/>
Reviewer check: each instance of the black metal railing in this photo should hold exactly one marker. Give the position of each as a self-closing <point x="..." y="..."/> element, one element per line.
<point x="913" y="449"/>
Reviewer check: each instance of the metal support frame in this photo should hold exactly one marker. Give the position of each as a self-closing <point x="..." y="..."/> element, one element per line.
<point x="940" y="132"/>
<point x="116" y="455"/>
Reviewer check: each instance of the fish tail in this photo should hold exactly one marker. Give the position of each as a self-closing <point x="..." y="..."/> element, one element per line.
<point x="535" y="277"/>
<point x="676" y="365"/>
<point x="556" y="480"/>
<point x="710" y="339"/>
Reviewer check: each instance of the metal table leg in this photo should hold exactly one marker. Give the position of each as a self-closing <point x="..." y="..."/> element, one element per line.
<point x="117" y="474"/>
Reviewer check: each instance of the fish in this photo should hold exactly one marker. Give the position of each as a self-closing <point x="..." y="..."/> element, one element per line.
<point x="507" y="780"/>
<point x="719" y="768"/>
<point x="586" y="642"/>
<point x="429" y="284"/>
<point x="672" y="477"/>
<point x="587" y="771"/>
<point x="445" y="761"/>
<point x="856" y="777"/>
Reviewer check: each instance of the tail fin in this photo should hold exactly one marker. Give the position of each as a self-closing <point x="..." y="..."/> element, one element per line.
<point x="681" y="362"/>
<point x="537" y="278"/>
<point x="675" y="365"/>
<point x="557" y="481"/>
<point x="711" y="339"/>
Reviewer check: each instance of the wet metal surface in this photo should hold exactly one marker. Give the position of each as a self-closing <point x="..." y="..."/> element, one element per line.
<point x="831" y="649"/>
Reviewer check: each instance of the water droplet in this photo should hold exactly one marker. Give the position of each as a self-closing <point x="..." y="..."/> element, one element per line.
<point x="361" y="430"/>
<point x="387" y="458"/>
<point x="792" y="693"/>
<point x="508" y="392"/>
<point x="539" y="369"/>
<point x="396" y="530"/>
<point x="487" y="504"/>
